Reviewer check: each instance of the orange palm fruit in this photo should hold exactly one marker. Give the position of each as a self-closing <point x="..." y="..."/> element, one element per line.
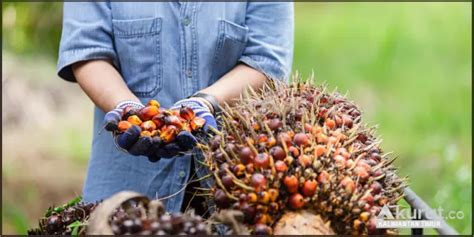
<point x="154" y="103"/>
<point x="197" y="123"/>
<point x="148" y="125"/>
<point x="145" y="133"/>
<point x="330" y="123"/>
<point x="319" y="150"/>
<point x="173" y="120"/>
<point x="168" y="133"/>
<point x="186" y="113"/>
<point x="148" y="112"/>
<point x="134" y="120"/>
<point x="309" y="188"/>
<point x="159" y="120"/>
<point x="124" y="125"/>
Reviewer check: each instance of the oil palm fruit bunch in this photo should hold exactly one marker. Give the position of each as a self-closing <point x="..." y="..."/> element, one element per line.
<point x="298" y="147"/>
<point x="68" y="219"/>
<point x="153" y="127"/>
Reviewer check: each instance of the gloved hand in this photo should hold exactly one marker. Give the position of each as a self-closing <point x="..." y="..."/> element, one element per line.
<point x="130" y="140"/>
<point x="185" y="140"/>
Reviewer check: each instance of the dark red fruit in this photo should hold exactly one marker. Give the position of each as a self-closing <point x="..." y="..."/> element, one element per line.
<point x="262" y="161"/>
<point x="296" y="201"/>
<point x="280" y="166"/>
<point x="277" y="153"/>
<point x="275" y="124"/>
<point x="221" y="199"/>
<point x="227" y="181"/>
<point x="309" y="188"/>
<point x="246" y="155"/>
<point x="301" y="139"/>
<point x="258" y="182"/>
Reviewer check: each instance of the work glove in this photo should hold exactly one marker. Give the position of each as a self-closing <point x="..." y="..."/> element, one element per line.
<point x="186" y="140"/>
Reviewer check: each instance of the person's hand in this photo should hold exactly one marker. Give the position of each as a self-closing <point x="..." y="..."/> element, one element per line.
<point x="130" y="140"/>
<point x="185" y="140"/>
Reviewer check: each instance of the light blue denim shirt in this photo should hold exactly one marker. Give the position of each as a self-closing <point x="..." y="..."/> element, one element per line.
<point x="167" y="51"/>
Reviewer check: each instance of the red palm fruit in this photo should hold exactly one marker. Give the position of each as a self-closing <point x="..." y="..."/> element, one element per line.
<point x="227" y="181"/>
<point x="364" y="164"/>
<point x="291" y="183"/>
<point x="376" y="187"/>
<point x="148" y="112"/>
<point x="368" y="198"/>
<point x="296" y="201"/>
<point x="277" y="153"/>
<point x="154" y="103"/>
<point x="197" y="123"/>
<point x="347" y="120"/>
<point x="145" y="134"/>
<point x="134" y="120"/>
<point x="148" y="126"/>
<point x="331" y="124"/>
<point x="159" y="120"/>
<point x="273" y="194"/>
<point x="264" y="197"/>
<point x="305" y="160"/>
<point x="238" y="170"/>
<point x="262" y="229"/>
<point x="249" y="212"/>
<point x="169" y="133"/>
<point x="262" y="161"/>
<point x="186" y="113"/>
<point x="280" y="166"/>
<point x="173" y="120"/>
<point x="340" y="162"/>
<point x="252" y="197"/>
<point x="274" y="124"/>
<point x="348" y="184"/>
<point x="129" y="111"/>
<point x="319" y="150"/>
<point x="323" y="177"/>
<point x="246" y="155"/>
<point x="372" y="226"/>
<point x="258" y="181"/>
<point x="308" y="127"/>
<point x="301" y="139"/>
<point x="294" y="151"/>
<point x="284" y="137"/>
<point x="262" y="138"/>
<point x="361" y="172"/>
<point x="124" y="125"/>
<point x="309" y="188"/>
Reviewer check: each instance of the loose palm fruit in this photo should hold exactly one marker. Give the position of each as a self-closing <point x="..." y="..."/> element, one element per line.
<point x="148" y="112"/>
<point x="296" y="201"/>
<point x="159" y="120"/>
<point x="258" y="181"/>
<point x="186" y="113"/>
<point x="134" y="120"/>
<point x="301" y="139"/>
<point x="124" y="125"/>
<point x="197" y="123"/>
<point x="309" y="188"/>
<point x="154" y="103"/>
<point x="148" y="126"/>
<point x="145" y="133"/>
<point x="280" y="166"/>
<point x="169" y="133"/>
<point x="262" y="161"/>
<point x="291" y="183"/>
<point x="173" y="120"/>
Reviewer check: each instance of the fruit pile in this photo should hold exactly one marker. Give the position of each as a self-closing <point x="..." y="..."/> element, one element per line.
<point x="68" y="219"/>
<point x="294" y="147"/>
<point x="159" y="125"/>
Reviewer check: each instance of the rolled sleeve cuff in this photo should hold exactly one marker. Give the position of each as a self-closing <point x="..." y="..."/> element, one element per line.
<point x="271" y="69"/>
<point x="67" y="58"/>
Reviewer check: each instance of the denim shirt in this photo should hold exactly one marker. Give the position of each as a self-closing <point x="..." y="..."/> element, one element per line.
<point x="168" y="51"/>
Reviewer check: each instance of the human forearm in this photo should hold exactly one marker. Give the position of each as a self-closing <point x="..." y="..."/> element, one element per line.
<point x="232" y="84"/>
<point x="102" y="83"/>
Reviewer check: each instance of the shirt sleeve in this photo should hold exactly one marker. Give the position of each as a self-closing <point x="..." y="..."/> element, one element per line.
<point x="86" y="35"/>
<point x="270" y="43"/>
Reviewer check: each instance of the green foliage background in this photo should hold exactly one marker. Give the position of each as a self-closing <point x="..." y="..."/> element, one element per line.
<point x="408" y="66"/>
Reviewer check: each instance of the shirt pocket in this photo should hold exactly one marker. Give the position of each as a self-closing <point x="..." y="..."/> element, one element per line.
<point x="231" y="42"/>
<point x="138" y="45"/>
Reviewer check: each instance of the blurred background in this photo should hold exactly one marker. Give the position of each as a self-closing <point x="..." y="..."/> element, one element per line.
<point x="407" y="65"/>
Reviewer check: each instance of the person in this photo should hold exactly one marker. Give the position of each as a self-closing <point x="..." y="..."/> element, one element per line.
<point x="179" y="53"/>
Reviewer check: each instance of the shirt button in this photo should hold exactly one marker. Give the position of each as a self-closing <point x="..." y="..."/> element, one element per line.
<point x="189" y="73"/>
<point x="182" y="174"/>
<point x="186" y="21"/>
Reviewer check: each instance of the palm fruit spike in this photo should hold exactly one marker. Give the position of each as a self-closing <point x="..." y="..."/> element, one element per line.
<point x="323" y="159"/>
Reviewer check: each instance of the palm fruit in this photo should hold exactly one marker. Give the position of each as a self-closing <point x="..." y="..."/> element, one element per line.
<point x="309" y="145"/>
